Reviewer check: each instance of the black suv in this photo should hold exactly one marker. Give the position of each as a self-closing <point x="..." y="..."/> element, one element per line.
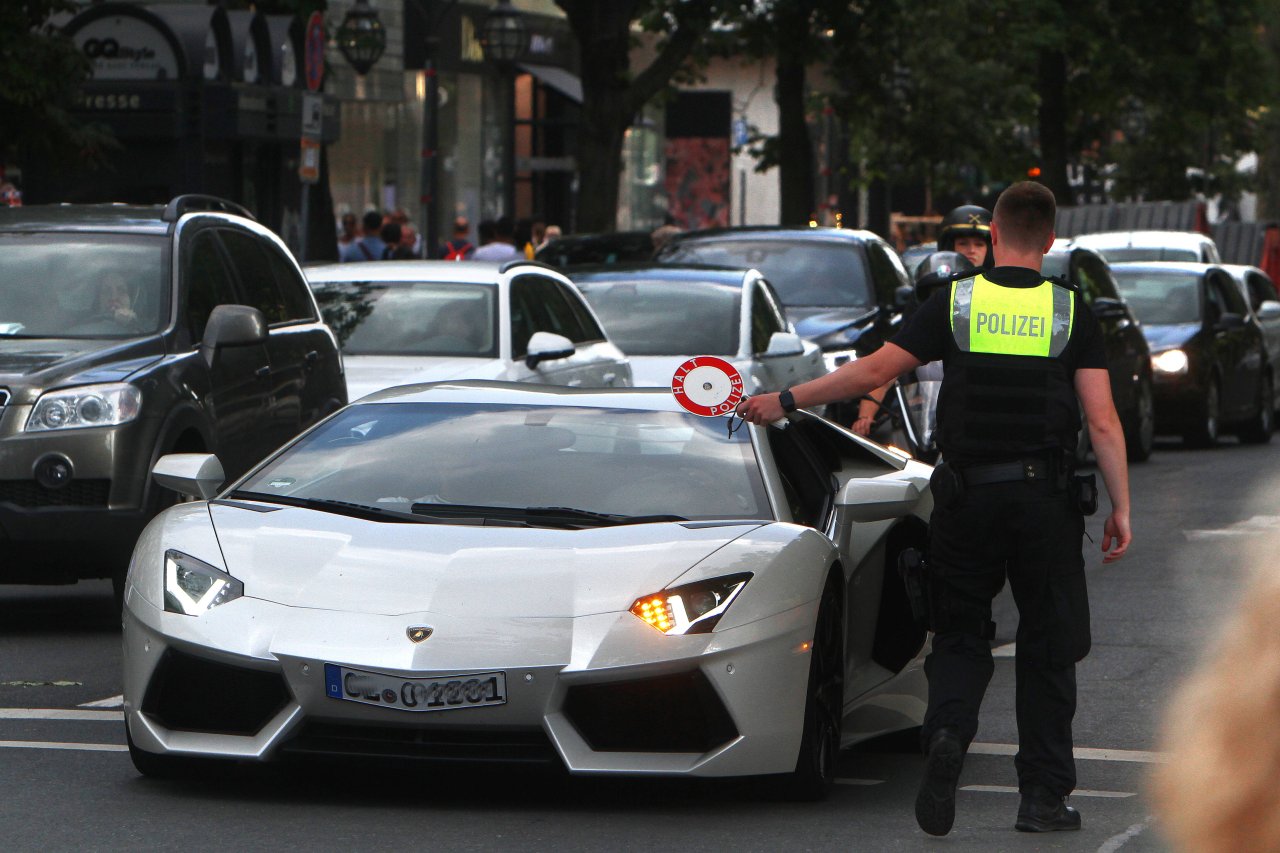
<point x="839" y="286"/>
<point x="131" y="332"/>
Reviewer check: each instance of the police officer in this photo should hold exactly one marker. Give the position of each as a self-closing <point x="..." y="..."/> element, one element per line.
<point x="1019" y="350"/>
<point x="967" y="230"/>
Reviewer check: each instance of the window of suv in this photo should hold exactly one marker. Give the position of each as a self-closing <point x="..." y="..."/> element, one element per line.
<point x="257" y="278"/>
<point x="208" y="281"/>
<point x="59" y="285"/>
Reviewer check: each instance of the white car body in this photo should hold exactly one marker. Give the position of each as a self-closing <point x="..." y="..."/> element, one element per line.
<point x="330" y="598"/>
<point x="1124" y="246"/>
<point x="591" y="363"/>
<point x="772" y="363"/>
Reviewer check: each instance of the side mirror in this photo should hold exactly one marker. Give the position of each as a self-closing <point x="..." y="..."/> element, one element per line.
<point x="1105" y="308"/>
<point x="233" y="326"/>
<point x="784" y="343"/>
<point x="873" y="499"/>
<point x="190" y="473"/>
<point x="1269" y="310"/>
<point x="547" y="346"/>
<point x="1228" y="321"/>
<point x="903" y="295"/>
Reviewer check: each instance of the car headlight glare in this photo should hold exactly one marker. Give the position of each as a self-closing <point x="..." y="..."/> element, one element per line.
<point x="86" y="406"/>
<point x="1170" y="361"/>
<point x="192" y="586"/>
<point x="693" y="608"/>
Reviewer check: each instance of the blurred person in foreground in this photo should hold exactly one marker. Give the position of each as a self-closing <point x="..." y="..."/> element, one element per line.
<point x="1021" y="355"/>
<point x="1219" y="791"/>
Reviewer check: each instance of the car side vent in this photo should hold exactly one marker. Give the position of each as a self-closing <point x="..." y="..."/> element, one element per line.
<point x="4" y="399"/>
<point x="668" y="713"/>
<point x="194" y="203"/>
<point x="192" y="694"/>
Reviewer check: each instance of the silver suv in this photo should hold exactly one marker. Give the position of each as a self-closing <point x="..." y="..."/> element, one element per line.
<point x="131" y="332"/>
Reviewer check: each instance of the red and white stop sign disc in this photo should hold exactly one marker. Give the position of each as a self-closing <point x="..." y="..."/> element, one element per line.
<point x="707" y="386"/>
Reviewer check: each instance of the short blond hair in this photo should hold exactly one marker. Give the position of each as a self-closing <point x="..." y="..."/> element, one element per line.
<point x="1025" y="215"/>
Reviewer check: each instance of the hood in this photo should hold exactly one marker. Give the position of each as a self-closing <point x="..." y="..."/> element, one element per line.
<point x="306" y="558"/>
<point x="814" y="322"/>
<point x="1162" y="336"/>
<point x="52" y="361"/>
<point x="369" y="373"/>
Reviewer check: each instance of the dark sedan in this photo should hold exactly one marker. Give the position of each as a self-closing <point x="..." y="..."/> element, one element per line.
<point x="1128" y="355"/>
<point x="1210" y="365"/>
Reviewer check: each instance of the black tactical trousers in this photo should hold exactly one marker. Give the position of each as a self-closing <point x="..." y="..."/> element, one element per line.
<point x="1030" y="532"/>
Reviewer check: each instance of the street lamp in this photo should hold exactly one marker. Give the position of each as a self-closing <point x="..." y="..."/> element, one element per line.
<point x="504" y="36"/>
<point x="361" y="37"/>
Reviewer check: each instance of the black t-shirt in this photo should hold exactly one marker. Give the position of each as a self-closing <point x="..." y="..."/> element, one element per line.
<point x="927" y="336"/>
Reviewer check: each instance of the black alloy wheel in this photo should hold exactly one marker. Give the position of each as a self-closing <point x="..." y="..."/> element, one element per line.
<point x="815" y="771"/>
<point x="1205" y="432"/>
<point x="1258" y="429"/>
<point x="1140" y="431"/>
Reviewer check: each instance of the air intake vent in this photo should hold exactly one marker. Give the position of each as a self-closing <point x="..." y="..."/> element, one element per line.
<point x="30" y="494"/>
<point x="191" y="694"/>
<point x="671" y="713"/>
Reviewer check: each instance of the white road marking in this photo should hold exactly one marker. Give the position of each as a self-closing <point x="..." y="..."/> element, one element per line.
<point x="83" y="747"/>
<point x="1249" y="527"/>
<point x="111" y="702"/>
<point x="59" y="714"/>
<point x="1115" y="842"/>
<point x="1078" y="792"/>
<point x="859" y="781"/>
<point x="1082" y="753"/>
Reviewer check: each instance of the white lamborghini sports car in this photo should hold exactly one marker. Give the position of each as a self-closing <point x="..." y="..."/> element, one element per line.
<point x="502" y="572"/>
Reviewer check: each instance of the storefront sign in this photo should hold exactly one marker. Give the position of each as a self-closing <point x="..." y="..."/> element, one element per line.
<point x="127" y="48"/>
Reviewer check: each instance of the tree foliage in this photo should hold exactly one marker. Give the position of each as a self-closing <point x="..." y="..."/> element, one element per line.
<point x="40" y="76"/>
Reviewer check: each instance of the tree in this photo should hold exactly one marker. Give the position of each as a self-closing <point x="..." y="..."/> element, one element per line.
<point x="40" y="75"/>
<point x="612" y="95"/>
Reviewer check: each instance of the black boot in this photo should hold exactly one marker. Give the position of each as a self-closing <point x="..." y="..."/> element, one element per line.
<point x="936" y="802"/>
<point x="1043" y="811"/>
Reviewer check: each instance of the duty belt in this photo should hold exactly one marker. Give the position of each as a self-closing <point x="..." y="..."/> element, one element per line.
<point x="1031" y="470"/>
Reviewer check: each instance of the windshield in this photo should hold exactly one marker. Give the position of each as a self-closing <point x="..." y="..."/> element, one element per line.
<point x="668" y="317"/>
<point x="1160" y="298"/>
<point x="82" y="285"/>
<point x="1149" y="253"/>
<point x="412" y="318"/>
<point x="803" y="272"/>
<point x="626" y="462"/>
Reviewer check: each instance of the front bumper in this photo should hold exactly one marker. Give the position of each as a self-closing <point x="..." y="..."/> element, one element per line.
<point x="598" y="694"/>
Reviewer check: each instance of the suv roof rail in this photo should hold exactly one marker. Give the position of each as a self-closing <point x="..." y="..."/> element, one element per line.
<point x="525" y="262"/>
<point x="194" y="201"/>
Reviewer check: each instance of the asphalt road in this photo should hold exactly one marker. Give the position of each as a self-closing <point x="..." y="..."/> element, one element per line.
<point x="66" y="780"/>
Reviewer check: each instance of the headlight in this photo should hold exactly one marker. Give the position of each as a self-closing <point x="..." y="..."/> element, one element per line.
<point x="693" y="608"/>
<point x="1170" y="361"/>
<point x="193" y="586"/>
<point x="86" y="406"/>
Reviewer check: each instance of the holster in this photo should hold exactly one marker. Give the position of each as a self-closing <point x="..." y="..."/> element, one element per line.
<point x="1084" y="490"/>
<point x="915" y="578"/>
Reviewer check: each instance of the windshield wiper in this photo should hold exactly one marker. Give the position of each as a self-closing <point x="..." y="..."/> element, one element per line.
<point x="348" y="508"/>
<point x="554" y="516"/>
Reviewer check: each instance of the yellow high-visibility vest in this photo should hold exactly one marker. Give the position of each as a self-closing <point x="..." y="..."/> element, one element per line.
<point x="1030" y="321"/>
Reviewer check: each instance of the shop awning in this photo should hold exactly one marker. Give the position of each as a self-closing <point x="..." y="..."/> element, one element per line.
<point x="565" y="82"/>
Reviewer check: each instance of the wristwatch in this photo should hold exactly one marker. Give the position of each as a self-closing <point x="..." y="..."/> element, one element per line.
<point x="788" y="401"/>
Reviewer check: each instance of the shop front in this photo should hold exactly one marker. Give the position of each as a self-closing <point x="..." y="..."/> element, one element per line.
<point x="199" y="100"/>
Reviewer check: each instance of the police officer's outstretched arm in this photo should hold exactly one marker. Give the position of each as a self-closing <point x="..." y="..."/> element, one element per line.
<point x="846" y="382"/>
<point x="1093" y="386"/>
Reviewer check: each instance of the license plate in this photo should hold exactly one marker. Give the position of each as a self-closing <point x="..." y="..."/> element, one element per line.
<point x="441" y="693"/>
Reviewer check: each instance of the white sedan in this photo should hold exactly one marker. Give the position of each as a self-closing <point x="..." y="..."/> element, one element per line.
<point x="493" y="571"/>
<point x="403" y="322"/>
<point x="662" y="314"/>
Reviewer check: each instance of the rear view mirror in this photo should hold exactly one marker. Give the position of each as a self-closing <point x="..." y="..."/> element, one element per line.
<point x="875" y="499"/>
<point x="197" y="474"/>
<point x="547" y="346"/>
<point x="1229" y="321"/>
<point x="1269" y="310"/>
<point x="1110" y="309"/>
<point x="233" y="326"/>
